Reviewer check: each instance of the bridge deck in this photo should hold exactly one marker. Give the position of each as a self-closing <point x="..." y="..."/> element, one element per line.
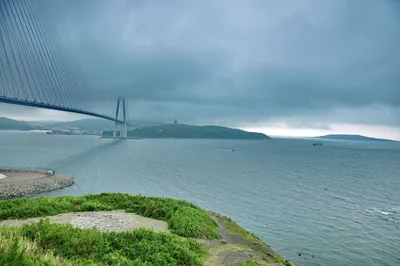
<point x="10" y="100"/>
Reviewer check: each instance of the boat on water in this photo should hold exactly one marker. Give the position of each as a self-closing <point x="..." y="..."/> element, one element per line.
<point x="318" y="144"/>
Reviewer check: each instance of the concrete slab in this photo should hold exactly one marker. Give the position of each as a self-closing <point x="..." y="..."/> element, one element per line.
<point x="104" y="221"/>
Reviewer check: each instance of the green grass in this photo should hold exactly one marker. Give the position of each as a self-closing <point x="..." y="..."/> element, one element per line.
<point x="183" y="218"/>
<point x="16" y="250"/>
<point x="47" y="243"/>
<point x="137" y="247"/>
<point x="192" y="223"/>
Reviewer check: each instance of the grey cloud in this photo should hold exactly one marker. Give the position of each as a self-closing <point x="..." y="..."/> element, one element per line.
<point x="241" y="61"/>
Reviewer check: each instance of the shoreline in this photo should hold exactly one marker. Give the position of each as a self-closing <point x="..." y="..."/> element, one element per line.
<point x="22" y="182"/>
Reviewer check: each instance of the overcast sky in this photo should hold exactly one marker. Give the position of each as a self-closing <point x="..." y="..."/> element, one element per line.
<point x="284" y="67"/>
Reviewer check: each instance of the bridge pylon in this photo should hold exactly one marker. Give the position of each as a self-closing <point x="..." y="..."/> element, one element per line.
<point x="120" y="130"/>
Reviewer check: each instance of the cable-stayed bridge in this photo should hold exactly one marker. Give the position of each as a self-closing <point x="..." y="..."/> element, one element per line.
<point x="38" y="67"/>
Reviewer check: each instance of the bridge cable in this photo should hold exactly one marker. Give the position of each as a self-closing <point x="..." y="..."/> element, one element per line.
<point x="47" y="77"/>
<point x="37" y="62"/>
<point x="51" y="26"/>
<point x="27" y="55"/>
<point x="13" y="35"/>
<point x="7" y="87"/>
<point x="7" y="35"/>
<point x="3" y="76"/>
<point x="21" y="46"/>
<point x="33" y="51"/>
<point x="82" y="84"/>
<point x="77" y="71"/>
<point x="62" y="64"/>
<point x="58" y="91"/>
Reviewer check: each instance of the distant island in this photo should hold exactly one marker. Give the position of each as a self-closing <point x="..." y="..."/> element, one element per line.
<point x="354" y="138"/>
<point x="183" y="131"/>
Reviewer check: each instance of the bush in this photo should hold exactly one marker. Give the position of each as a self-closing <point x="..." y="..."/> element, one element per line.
<point x="15" y="250"/>
<point x="13" y="256"/>
<point x="191" y="222"/>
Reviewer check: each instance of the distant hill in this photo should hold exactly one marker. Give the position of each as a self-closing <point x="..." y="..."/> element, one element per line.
<point x="354" y="138"/>
<point x="95" y="124"/>
<point x="10" y="124"/>
<point x="191" y="132"/>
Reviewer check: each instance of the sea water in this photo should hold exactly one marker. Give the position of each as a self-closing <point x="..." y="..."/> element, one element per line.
<point x="336" y="204"/>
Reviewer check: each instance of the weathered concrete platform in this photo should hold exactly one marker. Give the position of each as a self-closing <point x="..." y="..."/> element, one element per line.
<point x="104" y="221"/>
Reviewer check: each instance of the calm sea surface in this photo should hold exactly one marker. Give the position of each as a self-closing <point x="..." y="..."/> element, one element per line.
<point x="335" y="205"/>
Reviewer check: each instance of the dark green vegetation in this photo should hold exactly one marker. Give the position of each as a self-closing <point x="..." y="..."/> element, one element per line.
<point x="354" y="138"/>
<point x="16" y="250"/>
<point x="191" y="132"/>
<point x="127" y="248"/>
<point x="196" y="237"/>
<point x="10" y="124"/>
<point x="89" y="247"/>
<point x="183" y="218"/>
<point x="46" y="243"/>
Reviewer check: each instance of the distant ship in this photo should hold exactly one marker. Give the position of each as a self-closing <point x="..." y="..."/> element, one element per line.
<point x="318" y="144"/>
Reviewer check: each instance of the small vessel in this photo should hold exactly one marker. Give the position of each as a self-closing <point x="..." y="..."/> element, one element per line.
<point x="318" y="144"/>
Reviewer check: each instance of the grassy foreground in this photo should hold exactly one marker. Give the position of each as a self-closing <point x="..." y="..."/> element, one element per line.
<point x="46" y="243"/>
<point x="191" y="240"/>
<point x="183" y="218"/>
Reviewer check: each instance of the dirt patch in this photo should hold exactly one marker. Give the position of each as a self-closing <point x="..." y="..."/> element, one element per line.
<point x="236" y="246"/>
<point x="104" y="221"/>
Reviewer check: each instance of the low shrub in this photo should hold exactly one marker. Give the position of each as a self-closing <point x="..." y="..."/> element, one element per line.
<point x="192" y="222"/>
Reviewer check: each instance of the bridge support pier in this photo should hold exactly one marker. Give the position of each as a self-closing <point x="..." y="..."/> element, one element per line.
<point x="120" y="130"/>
